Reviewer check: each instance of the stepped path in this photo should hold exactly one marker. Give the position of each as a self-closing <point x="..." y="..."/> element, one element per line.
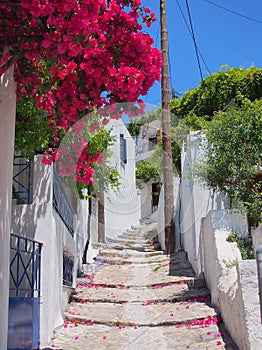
<point x="141" y="299"/>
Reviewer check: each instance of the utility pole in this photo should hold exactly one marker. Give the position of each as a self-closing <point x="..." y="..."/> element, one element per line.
<point x="166" y="136"/>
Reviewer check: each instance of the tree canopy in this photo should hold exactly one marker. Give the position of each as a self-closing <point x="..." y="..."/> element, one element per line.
<point x="228" y="88"/>
<point x="234" y="157"/>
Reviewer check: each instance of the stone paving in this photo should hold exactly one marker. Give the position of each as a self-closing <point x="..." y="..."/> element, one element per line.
<point x="141" y="300"/>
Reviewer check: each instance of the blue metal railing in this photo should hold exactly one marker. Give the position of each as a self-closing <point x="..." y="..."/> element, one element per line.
<point x="24" y="294"/>
<point x="62" y="205"/>
<point x="25" y="267"/>
<point x="22" y="178"/>
<point x="68" y="266"/>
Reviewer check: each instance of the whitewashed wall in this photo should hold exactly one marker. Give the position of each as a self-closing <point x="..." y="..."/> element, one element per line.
<point x="81" y="231"/>
<point x="40" y="222"/>
<point x="196" y="201"/>
<point x="146" y="200"/>
<point x="123" y="208"/>
<point x="7" y="129"/>
<point x="233" y="282"/>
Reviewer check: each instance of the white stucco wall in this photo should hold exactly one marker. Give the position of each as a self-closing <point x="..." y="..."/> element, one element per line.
<point x="122" y="209"/>
<point x="146" y="200"/>
<point x="81" y="231"/>
<point x="40" y="222"/>
<point x="248" y="284"/>
<point x="196" y="201"/>
<point x="7" y="129"/>
<point x="218" y="253"/>
<point x="232" y="282"/>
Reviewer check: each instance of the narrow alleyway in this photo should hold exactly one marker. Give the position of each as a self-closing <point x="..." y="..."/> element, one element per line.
<point x="141" y="301"/>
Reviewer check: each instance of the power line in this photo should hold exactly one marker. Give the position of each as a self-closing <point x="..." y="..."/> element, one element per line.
<point x="194" y="40"/>
<point x="233" y="12"/>
<point x="188" y="28"/>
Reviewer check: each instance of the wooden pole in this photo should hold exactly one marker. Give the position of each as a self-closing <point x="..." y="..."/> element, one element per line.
<point x="166" y="136"/>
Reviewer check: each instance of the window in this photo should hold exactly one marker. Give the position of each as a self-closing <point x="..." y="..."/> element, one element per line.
<point x="123" y="156"/>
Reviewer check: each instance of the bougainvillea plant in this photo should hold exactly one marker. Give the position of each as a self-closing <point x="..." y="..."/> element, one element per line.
<point x="72" y="56"/>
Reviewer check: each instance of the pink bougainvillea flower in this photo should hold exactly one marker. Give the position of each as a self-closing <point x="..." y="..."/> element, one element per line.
<point x="104" y="337"/>
<point x="77" y="56"/>
<point x="217" y="335"/>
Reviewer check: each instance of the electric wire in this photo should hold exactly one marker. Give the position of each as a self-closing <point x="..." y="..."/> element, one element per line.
<point x="194" y="39"/>
<point x="188" y="28"/>
<point x="233" y="12"/>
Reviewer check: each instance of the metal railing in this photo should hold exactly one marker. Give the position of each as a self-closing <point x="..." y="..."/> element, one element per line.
<point x="68" y="267"/>
<point x="62" y="205"/>
<point x="25" y="267"/>
<point x="24" y="293"/>
<point x="22" y="178"/>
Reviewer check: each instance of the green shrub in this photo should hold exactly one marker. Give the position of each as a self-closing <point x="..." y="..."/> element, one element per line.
<point x="243" y="244"/>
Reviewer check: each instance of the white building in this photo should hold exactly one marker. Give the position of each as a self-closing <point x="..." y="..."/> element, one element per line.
<point x="122" y="208"/>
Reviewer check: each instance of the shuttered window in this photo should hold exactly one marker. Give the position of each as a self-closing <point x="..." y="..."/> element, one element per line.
<point x="123" y="156"/>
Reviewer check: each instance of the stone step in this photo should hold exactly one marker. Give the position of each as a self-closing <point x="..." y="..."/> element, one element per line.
<point x="152" y="234"/>
<point x="128" y="253"/>
<point x="155" y="263"/>
<point x="139" y="276"/>
<point x="190" y="281"/>
<point x="128" y="241"/>
<point x="138" y="235"/>
<point x="175" y="292"/>
<point x="141" y="300"/>
<point x="175" y="260"/>
<point x="132" y="246"/>
<point x="101" y="337"/>
<point x="139" y="314"/>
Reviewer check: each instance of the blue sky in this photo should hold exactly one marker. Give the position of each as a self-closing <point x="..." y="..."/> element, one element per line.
<point x="222" y="38"/>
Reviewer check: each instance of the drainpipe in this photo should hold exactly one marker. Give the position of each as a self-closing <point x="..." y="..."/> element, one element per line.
<point x="259" y="271"/>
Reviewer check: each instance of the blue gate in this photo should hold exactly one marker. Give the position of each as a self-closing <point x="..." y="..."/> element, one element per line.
<point x="24" y="293"/>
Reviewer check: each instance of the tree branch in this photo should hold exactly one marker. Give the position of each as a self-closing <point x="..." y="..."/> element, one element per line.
<point x="18" y="40"/>
<point x="9" y="63"/>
